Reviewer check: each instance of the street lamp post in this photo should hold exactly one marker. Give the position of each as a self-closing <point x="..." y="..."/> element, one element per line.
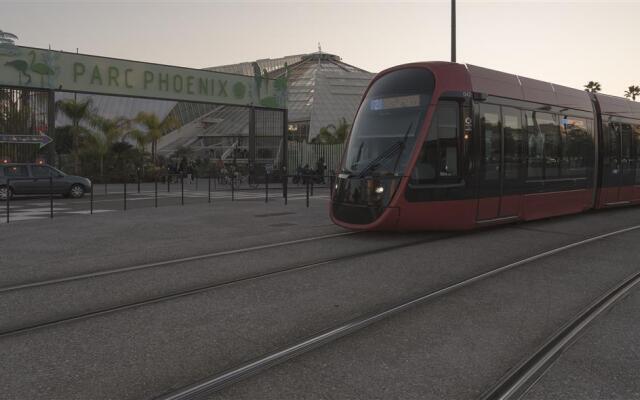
<point x="453" y="30"/>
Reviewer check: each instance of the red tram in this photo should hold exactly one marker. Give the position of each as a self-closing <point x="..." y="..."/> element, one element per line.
<point x="444" y="146"/>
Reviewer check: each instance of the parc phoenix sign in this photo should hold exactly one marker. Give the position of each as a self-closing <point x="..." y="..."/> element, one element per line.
<point x="55" y="70"/>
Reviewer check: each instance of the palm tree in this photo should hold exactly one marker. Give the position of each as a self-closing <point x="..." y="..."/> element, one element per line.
<point x="155" y="128"/>
<point x="77" y="112"/>
<point x="139" y="137"/>
<point x="106" y="133"/>
<point x="632" y="92"/>
<point x="331" y="134"/>
<point x="141" y="140"/>
<point x="593" y="87"/>
<point x="184" y="152"/>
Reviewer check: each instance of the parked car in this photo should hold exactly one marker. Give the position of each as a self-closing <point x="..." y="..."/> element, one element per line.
<point x="33" y="179"/>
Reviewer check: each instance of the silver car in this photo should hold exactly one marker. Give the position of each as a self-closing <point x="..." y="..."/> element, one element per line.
<point x="33" y="179"/>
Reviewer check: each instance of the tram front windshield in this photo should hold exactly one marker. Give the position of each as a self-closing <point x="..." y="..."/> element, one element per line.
<point x="385" y="128"/>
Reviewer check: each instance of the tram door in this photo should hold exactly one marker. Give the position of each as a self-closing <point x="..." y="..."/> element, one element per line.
<point x="619" y="163"/>
<point x="500" y="160"/>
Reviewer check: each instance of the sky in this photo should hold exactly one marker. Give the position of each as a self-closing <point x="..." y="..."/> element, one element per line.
<point x="564" y="42"/>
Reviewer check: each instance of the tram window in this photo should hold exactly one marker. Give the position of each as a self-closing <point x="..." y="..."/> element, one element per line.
<point x="636" y="141"/>
<point x="448" y="122"/>
<point x="614" y="147"/>
<point x="513" y="142"/>
<point x="625" y="148"/>
<point x="427" y="164"/>
<point x="548" y="125"/>
<point x="535" y="141"/>
<point x="438" y="157"/>
<point x="576" y="146"/>
<point x="491" y="147"/>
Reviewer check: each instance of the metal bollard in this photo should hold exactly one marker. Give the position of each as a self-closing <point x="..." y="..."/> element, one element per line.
<point x="155" y="185"/>
<point x="307" y="194"/>
<point x="196" y="183"/>
<point x="138" y="182"/>
<point x="8" y="198"/>
<point x="209" y="190"/>
<point x="285" y="189"/>
<point x="266" y="189"/>
<point x="125" y="196"/>
<point x="233" y="194"/>
<point x="51" y="197"/>
<point x="91" y="200"/>
<point x="168" y="183"/>
<point x="181" y="190"/>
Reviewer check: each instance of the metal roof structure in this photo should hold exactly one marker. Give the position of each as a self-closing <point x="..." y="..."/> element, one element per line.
<point x="321" y="88"/>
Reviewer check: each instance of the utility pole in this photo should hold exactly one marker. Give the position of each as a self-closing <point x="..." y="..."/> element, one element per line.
<point x="453" y="30"/>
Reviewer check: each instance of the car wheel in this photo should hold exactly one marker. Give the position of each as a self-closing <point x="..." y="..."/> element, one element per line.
<point x="76" y="191"/>
<point x="5" y="192"/>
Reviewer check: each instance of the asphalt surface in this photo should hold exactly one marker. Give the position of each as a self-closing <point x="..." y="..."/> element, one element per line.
<point x="45" y="249"/>
<point x="454" y="347"/>
<point x="461" y="345"/>
<point x="112" y="199"/>
<point x="603" y="364"/>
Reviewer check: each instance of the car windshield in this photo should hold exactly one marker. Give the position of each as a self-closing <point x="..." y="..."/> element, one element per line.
<point x="56" y="171"/>
<point x="387" y="122"/>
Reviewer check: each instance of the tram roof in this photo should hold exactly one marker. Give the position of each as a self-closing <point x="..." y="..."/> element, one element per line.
<point x="619" y="106"/>
<point x="518" y="87"/>
<point x="521" y="88"/>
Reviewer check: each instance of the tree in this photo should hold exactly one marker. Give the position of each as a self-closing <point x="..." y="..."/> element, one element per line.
<point x="184" y="152"/>
<point x="331" y="134"/>
<point x="632" y="92"/>
<point x="155" y="128"/>
<point x="77" y="112"/>
<point x="141" y="140"/>
<point x="593" y="87"/>
<point x="139" y="137"/>
<point x="106" y="132"/>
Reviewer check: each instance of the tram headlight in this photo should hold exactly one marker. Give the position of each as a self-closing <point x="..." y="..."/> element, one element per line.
<point x="379" y="190"/>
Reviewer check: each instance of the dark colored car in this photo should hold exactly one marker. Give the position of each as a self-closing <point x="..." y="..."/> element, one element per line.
<point x="33" y="179"/>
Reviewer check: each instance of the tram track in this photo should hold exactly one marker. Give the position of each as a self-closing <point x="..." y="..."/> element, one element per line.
<point x="524" y="376"/>
<point x="164" y="263"/>
<point x="218" y="381"/>
<point x="207" y="287"/>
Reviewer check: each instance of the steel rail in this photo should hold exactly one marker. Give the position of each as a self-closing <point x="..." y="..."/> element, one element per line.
<point x="221" y="380"/>
<point x="520" y="379"/>
<point x="29" y="285"/>
<point x="205" y="288"/>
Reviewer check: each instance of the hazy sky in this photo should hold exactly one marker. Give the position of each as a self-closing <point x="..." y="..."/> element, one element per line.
<point x="565" y="42"/>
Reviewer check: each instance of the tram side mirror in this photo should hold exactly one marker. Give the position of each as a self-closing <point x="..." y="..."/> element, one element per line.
<point x="478" y="96"/>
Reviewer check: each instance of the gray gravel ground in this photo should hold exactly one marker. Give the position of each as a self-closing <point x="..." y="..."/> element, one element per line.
<point x="458" y="346"/>
<point x="42" y="249"/>
<point x="145" y="351"/>
<point x="604" y="364"/>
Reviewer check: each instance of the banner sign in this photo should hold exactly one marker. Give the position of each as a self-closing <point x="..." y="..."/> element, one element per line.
<point x="49" y="69"/>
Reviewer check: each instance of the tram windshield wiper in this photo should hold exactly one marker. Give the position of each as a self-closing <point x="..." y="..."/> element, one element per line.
<point x="397" y="145"/>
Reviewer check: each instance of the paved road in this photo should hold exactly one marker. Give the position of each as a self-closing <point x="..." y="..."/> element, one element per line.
<point x="27" y="208"/>
<point x="603" y="364"/>
<point x="453" y="347"/>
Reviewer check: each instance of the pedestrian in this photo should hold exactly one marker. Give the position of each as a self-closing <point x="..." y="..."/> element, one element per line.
<point x="191" y="172"/>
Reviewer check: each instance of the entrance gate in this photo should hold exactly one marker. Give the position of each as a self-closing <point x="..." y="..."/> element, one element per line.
<point x="31" y="80"/>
